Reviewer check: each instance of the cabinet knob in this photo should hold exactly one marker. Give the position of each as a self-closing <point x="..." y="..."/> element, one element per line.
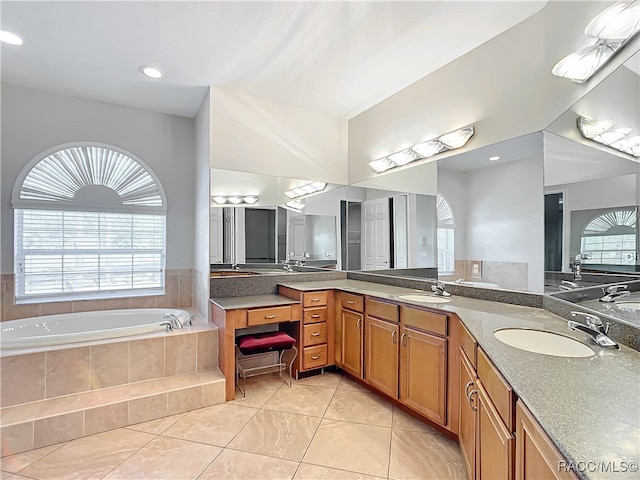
<point x="350" y="302"/>
<point x="315" y="299"/>
<point x="315" y="315"/>
<point x="315" y="357"/>
<point x="394" y="334"/>
<point x="269" y="317"/>
<point x="315" y="334"/>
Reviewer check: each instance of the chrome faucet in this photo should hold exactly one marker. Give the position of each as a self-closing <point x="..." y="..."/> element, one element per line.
<point x="567" y="285"/>
<point x="577" y="267"/>
<point x="594" y="327"/>
<point x="288" y="267"/>
<point x="612" y="293"/>
<point x="173" y="321"/>
<point x="235" y="266"/>
<point x="438" y="289"/>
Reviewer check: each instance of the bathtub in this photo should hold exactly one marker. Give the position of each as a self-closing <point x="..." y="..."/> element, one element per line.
<point x="84" y="327"/>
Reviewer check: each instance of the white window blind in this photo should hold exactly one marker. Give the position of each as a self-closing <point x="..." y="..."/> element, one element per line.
<point x="610" y="238"/>
<point x="62" y="254"/>
<point x="446" y="235"/>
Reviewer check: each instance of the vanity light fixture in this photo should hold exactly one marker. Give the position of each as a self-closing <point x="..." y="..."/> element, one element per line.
<point x="448" y="141"/>
<point x="150" y="71"/>
<point x="306" y="189"/>
<point x="603" y="132"/>
<point x="10" y="38"/>
<point x="235" y="199"/>
<point x="613" y="28"/>
<point x="294" y="206"/>
<point x="493" y="159"/>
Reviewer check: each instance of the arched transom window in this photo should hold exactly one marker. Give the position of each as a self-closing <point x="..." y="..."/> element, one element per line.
<point x="89" y="222"/>
<point x="446" y="226"/>
<point x="610" y="238"/>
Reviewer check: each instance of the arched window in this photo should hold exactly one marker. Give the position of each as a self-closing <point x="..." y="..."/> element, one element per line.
<point x="89" y="222"/>
<point x="610" y="238"/>
<point x="446" y="226"/>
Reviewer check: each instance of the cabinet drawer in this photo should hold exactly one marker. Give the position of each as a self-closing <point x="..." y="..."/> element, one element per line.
<point x="315" y="333"/>
<point x="314" y="299"/>
<point x="261" y="316"/>
<point x="314" y="315"/>
<point x="468" y="344"/>
<point x="352" y="302"/>
<point x="497" y="389"/>
<point x="314" y="356"/>
<point x="423" y="320"/>
<point x="385" y="311"/>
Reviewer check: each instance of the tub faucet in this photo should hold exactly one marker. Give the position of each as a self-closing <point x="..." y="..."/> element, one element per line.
<point x="594" y="327"/>
<point x="235" y="266"/>
<point x="288" y="267"/>
<point x="612" y="293"/>
<point x="438" y="289"/>
<point x="173" y="320"/>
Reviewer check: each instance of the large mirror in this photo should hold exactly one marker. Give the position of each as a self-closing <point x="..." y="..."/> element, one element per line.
<point x="254" y="222"/>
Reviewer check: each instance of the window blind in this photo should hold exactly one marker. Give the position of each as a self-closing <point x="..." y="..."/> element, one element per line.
<point x="74" y="255"/>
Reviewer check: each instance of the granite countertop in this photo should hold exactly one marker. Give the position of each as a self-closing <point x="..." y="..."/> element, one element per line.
<point x="253" y="301"/>
<point x="589" y="407"/>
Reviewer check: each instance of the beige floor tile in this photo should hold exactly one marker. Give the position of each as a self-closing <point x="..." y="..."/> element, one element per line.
<point x="426" y="456"/>
<point x="348" y="384"/>
<point x="302" y="399"/>
<point x="88" y="457"/>
<point x="15" y="463"/>
<point x="326" y="379"/>
<point x="166" y="458"/>
<point x="258" y="391"/>
<point x="158" y="426"/>
<point x="276" y="434"/>
<point x="5" y="475"/>
<point x="232" y="464"/>
<point x="402" y="419"/>
<point x="351" y="446"/>
<point x="316" y="472"/>
<point x="360" y="407"/>
<point x="215" y="425"/>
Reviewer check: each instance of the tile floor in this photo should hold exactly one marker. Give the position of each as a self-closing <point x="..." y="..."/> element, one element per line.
<point x="323" y="427"/>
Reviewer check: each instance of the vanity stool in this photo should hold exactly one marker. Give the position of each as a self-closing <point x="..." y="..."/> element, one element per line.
<point x="262" y="353"/>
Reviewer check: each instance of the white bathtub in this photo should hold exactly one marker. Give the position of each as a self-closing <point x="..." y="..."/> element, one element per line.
<point x="84" y="326"/>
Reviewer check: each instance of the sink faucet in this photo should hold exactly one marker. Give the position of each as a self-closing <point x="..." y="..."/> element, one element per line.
<point x="288" y="267"/>
<point x="438" y="289"/>
<point x="577" y="267"/>
<point x="567" y="285"/>
<point x="173" y="321"/>
<point x="612" y="293"/>
<point x="235" y="266"/>
<point x="594" y="327"/>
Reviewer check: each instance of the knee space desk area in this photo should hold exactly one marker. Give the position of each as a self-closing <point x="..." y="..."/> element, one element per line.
<point x="499" y="402"/>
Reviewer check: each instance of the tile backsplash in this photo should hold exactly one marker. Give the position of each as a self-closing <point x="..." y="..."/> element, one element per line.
<point x="178" y="294"/>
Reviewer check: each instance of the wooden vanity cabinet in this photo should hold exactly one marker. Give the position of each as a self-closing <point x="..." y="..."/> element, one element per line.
<point x="349" y="339"/>
<point x="381" y="346"/>
<point x="536" y="457"/>
<point x="467" y="418"/>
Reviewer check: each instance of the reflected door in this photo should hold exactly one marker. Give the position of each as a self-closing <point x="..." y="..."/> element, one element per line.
<point x="375" y="234"/>
<point x="297" y="238"/>
<point x="215" y="235"/>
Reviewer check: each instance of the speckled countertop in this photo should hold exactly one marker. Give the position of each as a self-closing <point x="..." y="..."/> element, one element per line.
<point x="589" y="407"/>
<point x="253" y="301"/>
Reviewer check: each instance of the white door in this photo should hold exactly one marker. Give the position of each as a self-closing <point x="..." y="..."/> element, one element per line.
<point x="375" y="234"/>
<point x="400" y="231"/>
<point x="215" y="235"/>
<point x="297" y="238"/>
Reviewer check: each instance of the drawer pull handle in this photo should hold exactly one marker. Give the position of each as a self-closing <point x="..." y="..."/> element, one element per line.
<point x="359" y="324"/>
<point x="473" y="407"/>
<point x="466" y="388"/>
<point x="403" y="339"/>
<point x="350" y="302"/>
<point x="394" y="334"/>
<point x="315" y="299"/>
<point x="315" y="357"/>
<point x="315" y="315"/>
<point x="269" y="317"/>
<point x="315" y="334"/>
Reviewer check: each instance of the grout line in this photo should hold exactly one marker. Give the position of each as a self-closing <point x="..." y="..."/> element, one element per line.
<point x="129" y="456"/>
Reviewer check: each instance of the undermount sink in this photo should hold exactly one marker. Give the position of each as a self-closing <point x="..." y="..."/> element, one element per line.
<point x="417" y="297"/>
<point x="633" y="306"/>
<point x="546" y="343"/>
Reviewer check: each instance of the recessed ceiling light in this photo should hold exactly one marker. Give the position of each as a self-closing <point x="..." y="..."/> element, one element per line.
<point x="493" y="159"/>
<point x="10" y="38"/>
<point x="151" y="72"/>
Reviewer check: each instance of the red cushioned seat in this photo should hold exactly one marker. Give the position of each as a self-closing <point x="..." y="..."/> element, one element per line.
<point x="264" y="342"/>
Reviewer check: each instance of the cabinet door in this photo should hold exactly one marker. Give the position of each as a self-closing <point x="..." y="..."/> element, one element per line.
<point x="423" y="374"/>
<point x="467" y="418"/>
<point x="381" y="353"/>
<point x="536" y="456"/>
<point x="351" y="343"/>
<point x="494" y="443"/>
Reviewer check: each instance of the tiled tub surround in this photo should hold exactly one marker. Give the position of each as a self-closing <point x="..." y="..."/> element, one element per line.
<point x="560" y="392"/>
<point x="67" y="392"/>
<point x="178" y="294"/>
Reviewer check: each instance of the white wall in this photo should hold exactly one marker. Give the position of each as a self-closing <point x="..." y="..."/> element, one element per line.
<point x="254" y="135"/>
<point x="453" y="186"/>
<point x="505" y="216"/>
<point x="201" y="211"/>
<point x="34" y="121"/>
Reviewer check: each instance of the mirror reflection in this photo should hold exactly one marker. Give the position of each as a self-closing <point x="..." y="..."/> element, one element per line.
<point x="254" y="222"/>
